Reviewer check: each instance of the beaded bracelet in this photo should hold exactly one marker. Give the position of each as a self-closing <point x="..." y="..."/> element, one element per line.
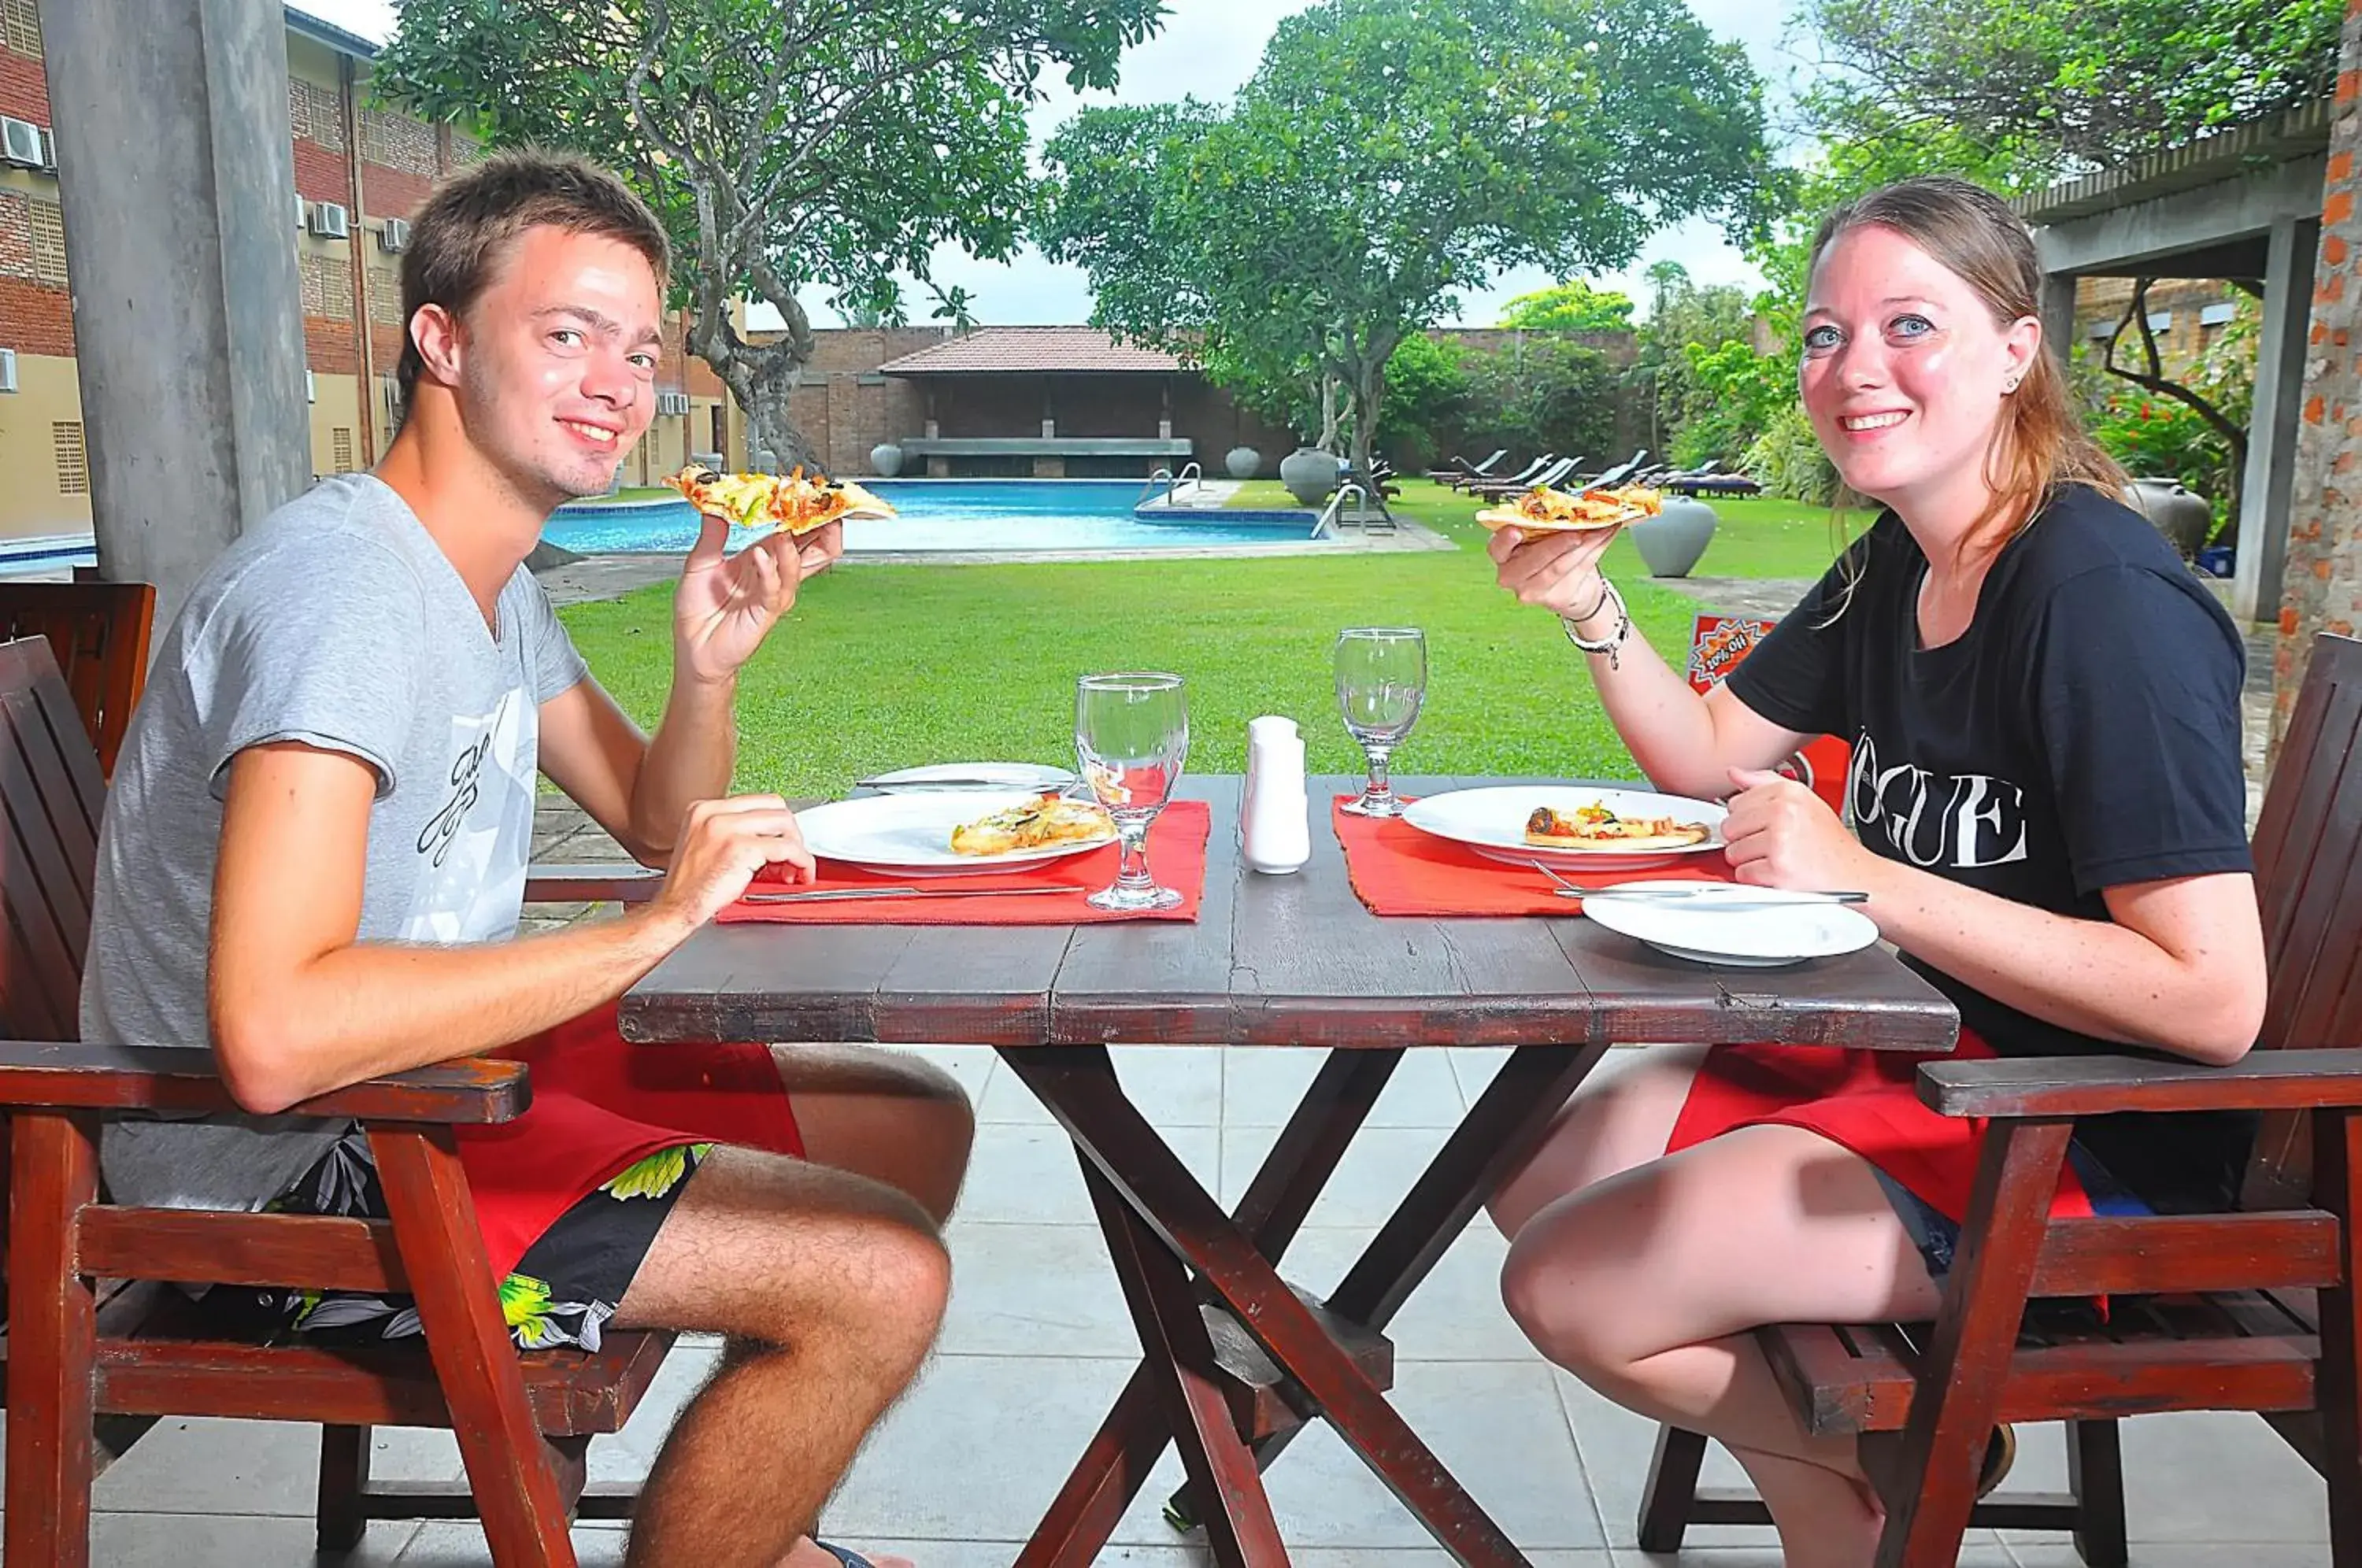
<point x="1611" y="643"/>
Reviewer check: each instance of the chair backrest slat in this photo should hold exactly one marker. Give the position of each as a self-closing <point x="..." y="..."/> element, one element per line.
<point x="51" y="799"/>
<point x="2309" y="886"/>
<point x="98" y="633"/>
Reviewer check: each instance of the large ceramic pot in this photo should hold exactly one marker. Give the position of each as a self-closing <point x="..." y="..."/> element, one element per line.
<point x="1243" y="462"/>
<point x="1309" y="474"/>
<point x="2181" y="514"/>
<point x="884" y="459"/>
<point x="1672" y="542"/>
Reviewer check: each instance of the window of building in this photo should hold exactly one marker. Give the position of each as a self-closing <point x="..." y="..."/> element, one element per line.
<point x="340" y="449"/>
<point x="327" y="287"/>
<point x="73" y="464"/>
<point x="20" y="27"/>
<point x="2217" y="314"/>
<point x="48" y="225"/>
<point x="385" y="296"/>
<point x="2160" y="321"/>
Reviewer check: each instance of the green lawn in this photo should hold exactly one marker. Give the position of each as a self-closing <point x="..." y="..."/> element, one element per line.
<point x="889" y="665"/>
<point x="1263" y="494"/>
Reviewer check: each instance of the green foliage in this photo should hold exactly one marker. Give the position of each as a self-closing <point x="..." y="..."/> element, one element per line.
<point x="1685" y="320"/>
<point x="1541" y="393"/>
<point x="1427" y="393"/>
<point x="2155" y="437"/>
<point x="1787" y="459"/>
<point x="788" y="150"/>
<point x="1387" y="155"/>
<point x="1573" y="306"/>
<point x="2070" y="83"/>
<point x="1737" y="394"/>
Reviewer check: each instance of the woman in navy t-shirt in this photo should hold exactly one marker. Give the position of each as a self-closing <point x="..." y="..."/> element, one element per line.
<point x="2049" y="813"/>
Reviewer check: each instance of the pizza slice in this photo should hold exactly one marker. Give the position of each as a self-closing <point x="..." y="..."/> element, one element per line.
<point x="1046" y="820"/>
<point x="1595" y="827"/>
<point x="798" y="502"/>
<point x="1545" y="510"/>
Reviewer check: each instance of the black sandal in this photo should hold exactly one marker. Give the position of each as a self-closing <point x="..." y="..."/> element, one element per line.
<point x="844" y="1554"/>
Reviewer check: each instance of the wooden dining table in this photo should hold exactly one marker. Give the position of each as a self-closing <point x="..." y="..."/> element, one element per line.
<point x="1234" y="1360"/>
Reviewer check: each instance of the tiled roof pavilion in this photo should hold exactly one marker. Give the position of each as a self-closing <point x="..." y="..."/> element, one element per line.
<point x="1032" y="349"/>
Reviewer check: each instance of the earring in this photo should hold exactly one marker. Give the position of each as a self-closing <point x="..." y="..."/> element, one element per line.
<point x="2010" y="385"/>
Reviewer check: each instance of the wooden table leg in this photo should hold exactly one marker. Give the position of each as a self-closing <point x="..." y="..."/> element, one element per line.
<point x="1181" y="1361"/>
<point x="1115" y="1464"/>
<point x="1499" y="1134"/>
<point x="2337" y="1185"/>
<point x="1111" y="1132"/>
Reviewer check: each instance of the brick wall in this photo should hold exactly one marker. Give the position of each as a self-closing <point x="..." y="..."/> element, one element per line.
<point x="328" y="347"/>
<point x="34" y="318"/>
<point x="393" y="192"/>
<point x="2322" y="589"/>
<point x="321" y="175"/>
<point x="23" y="91"/>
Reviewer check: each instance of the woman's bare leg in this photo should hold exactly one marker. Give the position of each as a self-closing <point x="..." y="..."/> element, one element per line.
<point x="1621" y="1117"/>
<point x="1645" y="1283"/>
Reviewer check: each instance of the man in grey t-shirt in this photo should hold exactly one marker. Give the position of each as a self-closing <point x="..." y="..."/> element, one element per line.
<point x="314" y="852"/>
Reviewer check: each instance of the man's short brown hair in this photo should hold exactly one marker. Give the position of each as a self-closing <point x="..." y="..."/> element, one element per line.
<point x="466" y="226"/>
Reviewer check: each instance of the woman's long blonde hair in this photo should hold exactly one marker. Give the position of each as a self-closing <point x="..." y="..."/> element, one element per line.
<point x="2040" y="445"/>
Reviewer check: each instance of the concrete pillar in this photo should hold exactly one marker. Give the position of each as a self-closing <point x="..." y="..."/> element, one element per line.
<point x="2272" y="428"/>
<point x="2058" y="315"/>
<point x="1049" y="411"/>
<point x="178" y="181"/>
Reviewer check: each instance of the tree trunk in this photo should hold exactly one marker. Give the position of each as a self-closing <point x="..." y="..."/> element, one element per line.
<point x="759" y="376"/>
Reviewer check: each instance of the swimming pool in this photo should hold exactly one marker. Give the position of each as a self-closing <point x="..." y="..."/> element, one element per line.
<point x="991" y="516"/>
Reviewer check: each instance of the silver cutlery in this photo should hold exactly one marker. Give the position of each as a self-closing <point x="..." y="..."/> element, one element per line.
<point x="953" y="783"/>
<point x="832" y="894"/>
<point x="1729" y="895"/>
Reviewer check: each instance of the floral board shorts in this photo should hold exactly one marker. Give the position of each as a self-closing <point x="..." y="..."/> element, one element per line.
<point x="568" y="1284"/>
<point x="570" y="1195"/>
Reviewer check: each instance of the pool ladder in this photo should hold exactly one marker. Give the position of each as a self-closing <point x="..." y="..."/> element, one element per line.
<point x="1326" y="527"/>
<point x="1192" y="473"/>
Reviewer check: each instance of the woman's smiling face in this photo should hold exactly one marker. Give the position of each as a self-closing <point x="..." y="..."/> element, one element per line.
<point x="1905" y="372"/>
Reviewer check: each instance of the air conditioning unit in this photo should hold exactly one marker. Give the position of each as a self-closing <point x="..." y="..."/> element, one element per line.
<point x="303" y="212"/>
<point x="20" y="143"/>
<point x="50" y="150"/>
<point x="672" y="402"/>
<point x="311" y="388"/>
<point x="330" y="221"/>
<point x="394" y="236"/>
<point x="7" y="369"/>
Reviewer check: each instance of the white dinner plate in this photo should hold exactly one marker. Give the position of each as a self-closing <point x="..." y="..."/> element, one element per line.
<point x="911" y="834"/>
<point x="1756" y="936"/>
<point x="984" y="776"/>
<point x="1492" y="822"/>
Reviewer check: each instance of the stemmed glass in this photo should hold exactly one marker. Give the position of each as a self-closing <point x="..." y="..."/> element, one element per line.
<point x="1130" y="734"/>
<point x="1381" y="679"/>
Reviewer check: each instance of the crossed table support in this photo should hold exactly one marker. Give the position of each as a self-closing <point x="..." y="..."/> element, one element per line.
<point x="1160" y="1225"/>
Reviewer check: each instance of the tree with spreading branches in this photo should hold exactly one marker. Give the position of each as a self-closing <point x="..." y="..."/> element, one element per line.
<point x="795" y="149"/>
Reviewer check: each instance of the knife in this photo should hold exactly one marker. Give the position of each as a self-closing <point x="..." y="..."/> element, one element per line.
<point x="1732" y="897"/>
<point x="829" y="894"/>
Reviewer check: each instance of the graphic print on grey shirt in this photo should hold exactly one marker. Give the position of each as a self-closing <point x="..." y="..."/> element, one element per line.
<point x="340" y="625"/>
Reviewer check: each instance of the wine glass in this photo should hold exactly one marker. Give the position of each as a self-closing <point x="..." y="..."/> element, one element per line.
<point x="1130" y="734"/>
<point x="1381" y="679"/>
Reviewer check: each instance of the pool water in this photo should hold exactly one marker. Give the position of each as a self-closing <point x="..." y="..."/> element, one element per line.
<point x="952" y="514"/>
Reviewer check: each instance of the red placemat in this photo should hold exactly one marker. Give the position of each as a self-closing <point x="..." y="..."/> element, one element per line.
<point x="1398" y="870"/>
<point x="1176" y="858"/>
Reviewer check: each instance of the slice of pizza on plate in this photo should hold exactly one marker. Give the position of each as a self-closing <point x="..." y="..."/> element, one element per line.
<point x="1546" y="511"/>
<point x="1597" y="827"/>
<point x="1043" y="823"/>
<point x="796" y="501"/>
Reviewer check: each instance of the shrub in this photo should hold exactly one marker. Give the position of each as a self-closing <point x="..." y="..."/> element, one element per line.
<point x="1787" y="459"/>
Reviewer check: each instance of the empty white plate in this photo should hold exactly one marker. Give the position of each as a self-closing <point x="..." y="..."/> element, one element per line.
<point x="1757" y="935"/>
<point x="973" y="776"/>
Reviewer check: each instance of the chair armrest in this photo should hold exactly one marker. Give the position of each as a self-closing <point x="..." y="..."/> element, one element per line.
<point x="2029" y="1087"/>
<point x="620" y="882"/>
<point x="49" y="1075"/>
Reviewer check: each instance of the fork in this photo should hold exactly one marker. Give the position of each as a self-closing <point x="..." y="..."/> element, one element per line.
<point x="1770" y="897"/>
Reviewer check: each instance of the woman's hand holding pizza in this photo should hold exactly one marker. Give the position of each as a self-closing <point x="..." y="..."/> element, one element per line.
<point x="1558" y="570"/>
<point x="727" y="604"/>
<point x="1779" y="834"/>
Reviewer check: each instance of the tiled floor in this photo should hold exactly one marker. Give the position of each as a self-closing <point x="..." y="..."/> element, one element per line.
<point x="1037" y="1343"/>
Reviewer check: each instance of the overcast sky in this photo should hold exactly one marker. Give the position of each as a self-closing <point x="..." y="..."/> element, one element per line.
<point x="1209" y="49"/>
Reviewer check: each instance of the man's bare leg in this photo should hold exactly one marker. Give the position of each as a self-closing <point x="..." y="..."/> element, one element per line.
<point x="882" y="1114"/>
<point x="830" y="1287"/>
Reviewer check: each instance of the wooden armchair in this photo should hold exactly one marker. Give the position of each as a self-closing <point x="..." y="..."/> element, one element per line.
<point x="98" y="633"/>
<point x="86" y="1353"/>
<point x="2252" y="1310"/>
